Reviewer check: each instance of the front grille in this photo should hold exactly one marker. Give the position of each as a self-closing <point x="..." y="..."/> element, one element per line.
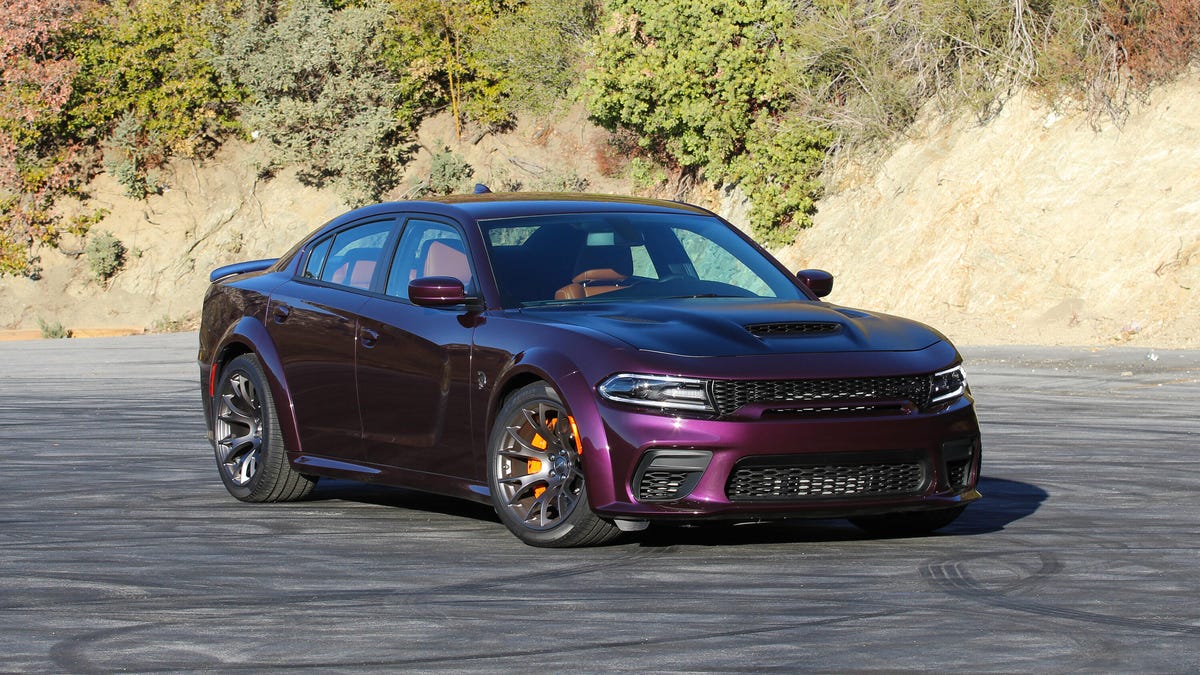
<point x="793" y="329"/>
<point x="835" y="411"/>
<point x="660" y="485"/>
<point x="778" y="478"/>
<point x="729" y="395"/>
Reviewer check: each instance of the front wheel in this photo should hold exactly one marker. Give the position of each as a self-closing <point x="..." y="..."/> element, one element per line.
<point x="536" y="476"/>
<point x="250" y="453"/>
<point x="908" y="523"/>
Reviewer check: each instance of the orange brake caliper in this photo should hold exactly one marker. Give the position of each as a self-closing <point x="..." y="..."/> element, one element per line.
<point x="535" y="465"/>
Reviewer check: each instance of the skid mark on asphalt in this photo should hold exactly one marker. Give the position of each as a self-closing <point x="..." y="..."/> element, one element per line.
<point x="954" y="576"/>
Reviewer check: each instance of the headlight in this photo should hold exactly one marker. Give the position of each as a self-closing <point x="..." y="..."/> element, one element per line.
<point x="659" y="391"/>
<point x="947" y="384"/>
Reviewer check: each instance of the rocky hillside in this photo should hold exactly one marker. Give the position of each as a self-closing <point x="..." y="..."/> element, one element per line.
<point x="1035" y="228"/>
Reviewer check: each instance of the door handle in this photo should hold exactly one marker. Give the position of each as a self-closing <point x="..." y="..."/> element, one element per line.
<point x="282" y="312"/>
<point x="368" y="337"/>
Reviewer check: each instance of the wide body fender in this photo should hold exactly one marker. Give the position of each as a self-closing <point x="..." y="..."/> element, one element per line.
<point x="578" y="393"/>
<point x="250" y="335"/>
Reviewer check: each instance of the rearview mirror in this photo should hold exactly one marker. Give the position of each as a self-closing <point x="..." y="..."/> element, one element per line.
<point x="819" y="282"/>
<point x="437" y="292"/>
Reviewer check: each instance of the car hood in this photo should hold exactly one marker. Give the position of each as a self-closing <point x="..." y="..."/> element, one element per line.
<point x="723" y="326"/>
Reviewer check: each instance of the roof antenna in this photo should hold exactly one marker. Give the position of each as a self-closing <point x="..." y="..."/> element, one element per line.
<point x="481" y="189"/>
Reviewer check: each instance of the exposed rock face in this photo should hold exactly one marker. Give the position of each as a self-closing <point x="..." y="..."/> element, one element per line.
<point x="1035" y="228"/>
<point x="210" y="215"/>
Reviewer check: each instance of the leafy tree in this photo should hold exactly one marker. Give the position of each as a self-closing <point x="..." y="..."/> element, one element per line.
<point x="432" y="49"/>
<point x="538" y="49"/>
<point x="319" y="92"/>
<point x="38" y="160"/>
<point x="704" y="83"/>
<point x="690" y="74"/>
<point x="148" y="62"/>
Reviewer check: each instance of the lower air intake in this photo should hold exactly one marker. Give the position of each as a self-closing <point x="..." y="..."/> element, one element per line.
<point x="779" y="478"/>
<point x="661" y="485"/>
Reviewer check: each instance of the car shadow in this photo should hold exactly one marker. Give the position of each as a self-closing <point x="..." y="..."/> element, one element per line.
<point x="1005" y="501"/>
<point x="332" y="489"/>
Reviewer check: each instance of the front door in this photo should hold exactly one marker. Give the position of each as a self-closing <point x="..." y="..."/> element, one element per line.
<point x="414" y="363"/>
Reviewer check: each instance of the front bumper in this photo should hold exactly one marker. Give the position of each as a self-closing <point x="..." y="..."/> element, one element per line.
<point x="677" y="468"/>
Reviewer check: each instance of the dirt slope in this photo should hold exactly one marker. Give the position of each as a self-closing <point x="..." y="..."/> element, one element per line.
<point x="1033" y="229"/>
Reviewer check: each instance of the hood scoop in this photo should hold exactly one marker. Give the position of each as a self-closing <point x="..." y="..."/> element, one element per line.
<point x="794" y="329"/>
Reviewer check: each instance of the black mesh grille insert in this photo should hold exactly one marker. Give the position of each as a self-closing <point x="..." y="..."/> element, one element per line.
<point x="729" y="395"/>
<point x="658" y="485"/>
<point x="764" y="478"/>
<point x="793" y="329"/>
<point x="958" y="472"/>
<point x="958" y="455"/>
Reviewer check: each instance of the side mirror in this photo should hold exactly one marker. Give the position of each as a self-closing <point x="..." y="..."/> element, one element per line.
<point x="437" y="292"/>
<point x="819" y="282"/>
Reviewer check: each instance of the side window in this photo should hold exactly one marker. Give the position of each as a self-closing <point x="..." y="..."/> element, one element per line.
<point x="354" y="254"/>
<point x="714" y="263"/>
<point x="643" y="266"/>
<point x="316" y="259"/>
<point x="428" y="249"/>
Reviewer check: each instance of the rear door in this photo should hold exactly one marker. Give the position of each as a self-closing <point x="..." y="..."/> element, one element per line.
<point x="314" y="322"/>
<point x="414" y="363"/>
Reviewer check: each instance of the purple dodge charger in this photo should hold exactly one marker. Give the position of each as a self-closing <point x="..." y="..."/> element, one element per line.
<point x="587" y="365"/>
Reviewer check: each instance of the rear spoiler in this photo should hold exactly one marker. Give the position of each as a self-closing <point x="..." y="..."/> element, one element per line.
<point x="241" y="268"/>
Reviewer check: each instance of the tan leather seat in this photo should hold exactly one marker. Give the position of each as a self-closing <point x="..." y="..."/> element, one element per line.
<point x="444" y="259"/>
<point x="589" y="283"/>
<point x="357" y="269"/>
<point x="598" y="269"/>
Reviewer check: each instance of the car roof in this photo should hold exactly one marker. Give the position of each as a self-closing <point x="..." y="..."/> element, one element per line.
<point x="513" y="204"/>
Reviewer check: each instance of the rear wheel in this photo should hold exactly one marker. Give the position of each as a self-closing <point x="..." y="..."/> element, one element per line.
<point x="908" y="523"/>
<point x="536" y="476"/>
<point x="249" y="449"/>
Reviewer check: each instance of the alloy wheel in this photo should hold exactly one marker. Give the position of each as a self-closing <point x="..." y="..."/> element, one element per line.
<point x="537" y="465"/>
<point x="239" y="428"/>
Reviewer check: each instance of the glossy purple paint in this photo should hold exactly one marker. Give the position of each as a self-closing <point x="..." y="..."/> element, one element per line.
<point x="405" y="390"/>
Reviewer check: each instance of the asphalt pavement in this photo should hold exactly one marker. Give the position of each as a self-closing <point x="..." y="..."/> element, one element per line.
<point x="120" y="549"/>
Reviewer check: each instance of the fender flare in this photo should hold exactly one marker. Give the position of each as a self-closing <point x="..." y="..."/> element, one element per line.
<point x="562" y="374"/>
<point x="249" y="334"/>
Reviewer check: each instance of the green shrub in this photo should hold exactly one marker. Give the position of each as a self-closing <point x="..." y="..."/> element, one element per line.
<point x="537" y="52"/>
<point x="689" y="76"/>
<point x="645" y="174"/>
<point x="320" y="94"/>
<point x="449" y="173"/>
<point x="430" y="51"/>
<point x="705" y="85"/>
<point x="145" y="65"/>
<point x="167" y="324"/>
<point x="52" y="330"/>
<point x="563" y="180"/>
<point x="780" y="174"/>
<point x="132" y="150"/>
<point x="105" y="255"/>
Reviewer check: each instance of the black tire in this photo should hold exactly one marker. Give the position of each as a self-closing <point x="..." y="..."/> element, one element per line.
<point x="535" y="474"/>
<point x="907" y="523"/>
<point x="249" y="449"/>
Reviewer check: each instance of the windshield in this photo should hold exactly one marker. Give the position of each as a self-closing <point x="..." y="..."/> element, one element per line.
<point x="618" y="257"/>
